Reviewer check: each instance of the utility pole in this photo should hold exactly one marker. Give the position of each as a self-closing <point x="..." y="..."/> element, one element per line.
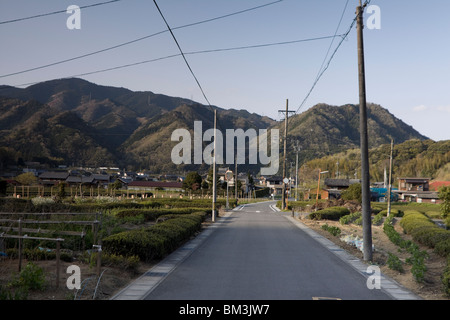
<point x="235" y="177"/>
<point x="283" y="199"/>
<point x="213" y="214"/>
<point x="365" y="175"/>
<point x="390" y="179"/>
<point x="297" y="149"/>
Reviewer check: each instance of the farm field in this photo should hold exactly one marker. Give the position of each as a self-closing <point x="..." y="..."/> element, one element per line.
<point x="42" y="236"/>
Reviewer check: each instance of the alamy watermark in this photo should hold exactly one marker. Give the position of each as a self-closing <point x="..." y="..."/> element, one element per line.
<point x="374" y="280"/>
<point x="374" y="20"/>
<point x="74" y="20"/>
<point x="74" y="280"/>
<point x="257" y="147"/>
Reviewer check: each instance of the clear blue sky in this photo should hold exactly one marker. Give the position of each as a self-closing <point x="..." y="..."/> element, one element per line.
<point x="407" y="60"/>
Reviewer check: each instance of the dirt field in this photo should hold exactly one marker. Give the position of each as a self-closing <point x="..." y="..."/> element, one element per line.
<point x="113" y="279"/>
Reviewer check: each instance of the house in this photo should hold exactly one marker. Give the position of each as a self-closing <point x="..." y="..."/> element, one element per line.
<point x="155" y="185"/>
<point x="52" y="178"/>
<point x="340" y="184"/>
<point x="275" y="183"/>
<point x="413" y="184"/>
<point x="416" y="190"/>
<point x="77" y="180"/>
<point x="332" y="188"/>
<point x="221" y="172"/>
<point x="428" y="197"/>
<point x="101" y="179"/>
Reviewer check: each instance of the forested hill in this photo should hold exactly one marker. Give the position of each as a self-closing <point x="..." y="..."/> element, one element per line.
<point x="324" y="129"/>
<point x="76" y="122"/>
<point x="413" y="158"/>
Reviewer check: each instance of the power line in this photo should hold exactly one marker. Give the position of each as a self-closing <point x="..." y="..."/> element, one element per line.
<point x="331" y="58"/>
<point x="182" y="53"/>
<point x="56" y="12"/>
<point x="136" y="40"/>
<point x="194" y="53"/>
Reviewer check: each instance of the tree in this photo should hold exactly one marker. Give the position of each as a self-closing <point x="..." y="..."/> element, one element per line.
<point x="354" y="192"/>
<point x="444" y="195"/>
<point x="26" y="178"/>
<point x="209" y="179"/>
<point x="61" y="190"/>
<point x="192" y="181"/>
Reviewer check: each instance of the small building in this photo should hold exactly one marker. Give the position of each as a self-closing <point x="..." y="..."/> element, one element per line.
<point x="340" y="184"/>
<point x="428" y="197"/>
<point x="51" y="178"/>
<point x="275" y="183"/>
<point x="413" y="184"/>
<point x="155" y="185"/>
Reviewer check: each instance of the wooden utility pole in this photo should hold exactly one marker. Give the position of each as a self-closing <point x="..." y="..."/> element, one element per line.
<point x="213" y="214"/>
<point x="365" y="175"/>
<point x="283" y="197"/>
<point x="390" y="179"/>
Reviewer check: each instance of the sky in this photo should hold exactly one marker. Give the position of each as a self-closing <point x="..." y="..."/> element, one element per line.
<point x="407" y="55"/>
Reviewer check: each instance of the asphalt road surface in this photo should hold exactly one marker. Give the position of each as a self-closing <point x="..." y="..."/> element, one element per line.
<point x="258" y="254"/>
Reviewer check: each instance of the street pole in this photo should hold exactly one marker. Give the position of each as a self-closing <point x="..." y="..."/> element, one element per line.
<point x="283" y="199"/>
<point x="235" y="177"/>
<point x="213" y="214"/>
<point x="365" y="176"/>
<point x="283" y="202"/>
<point x="296" y="177"/>
<point x="390" y="179"/>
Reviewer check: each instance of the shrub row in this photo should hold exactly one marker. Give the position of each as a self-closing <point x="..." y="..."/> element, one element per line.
<point x="426" y="232"/>
<point x="350" y="218"/>
<point x="156" y="241"/>
<point x="153" y="214"/>
<point x="446" y="277"/>
<point x="37" y="254"/>
<point x="417" y="259"/>
<point x="331" y="213"/>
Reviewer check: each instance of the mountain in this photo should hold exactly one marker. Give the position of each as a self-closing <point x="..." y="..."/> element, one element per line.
<point x="324" y="129"/>
<point x="412" y="158"/>
<point x="76" y="122"/>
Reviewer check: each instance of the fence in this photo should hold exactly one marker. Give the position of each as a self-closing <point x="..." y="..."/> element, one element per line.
<point x="16" y="226"/>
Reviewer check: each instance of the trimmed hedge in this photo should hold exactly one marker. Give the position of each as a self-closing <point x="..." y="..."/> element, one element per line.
<point x="350" y="218"/>
<point x="154" y="214"/>
<point x="331" y="213"/>
<point x="426" y="232"/>
<point x="156" y="241"/>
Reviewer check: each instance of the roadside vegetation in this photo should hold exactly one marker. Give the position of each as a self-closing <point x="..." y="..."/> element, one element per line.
<point x="130" y="232"/>
<point x="414" y="228"/>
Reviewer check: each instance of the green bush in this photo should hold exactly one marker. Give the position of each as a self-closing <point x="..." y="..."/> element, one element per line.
<point x="335" y="231"/>
<point x="331" y="213"/>
<point x="154" y="214"/>
<point x="394" y="263"/>
<point x="155" y="241"/>
<point x="446" y="278"/>
<point x="426" y="232"/>
<point x="32" y="277"/>
<point x="417" y="259"/>
<point x="394" y="212"/>
<point x="350" y="218"/>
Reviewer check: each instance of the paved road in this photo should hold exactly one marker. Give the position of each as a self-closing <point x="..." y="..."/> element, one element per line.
<point x="256" y="253"/>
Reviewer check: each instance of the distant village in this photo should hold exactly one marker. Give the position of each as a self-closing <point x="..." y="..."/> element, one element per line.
<point x="407" y="189"/>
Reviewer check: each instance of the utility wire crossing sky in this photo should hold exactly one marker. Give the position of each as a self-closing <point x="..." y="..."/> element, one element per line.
<point x="251" y="54"/>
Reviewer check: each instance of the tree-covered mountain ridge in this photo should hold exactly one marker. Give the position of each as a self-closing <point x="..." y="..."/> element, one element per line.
<point x="76" y="122"/>
<point x="412" y="158"/>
